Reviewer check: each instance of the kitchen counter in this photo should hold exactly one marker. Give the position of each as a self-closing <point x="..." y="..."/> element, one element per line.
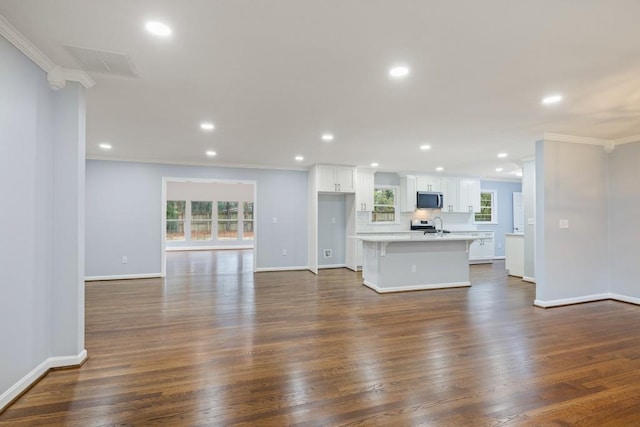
<point x="394" y="263"/>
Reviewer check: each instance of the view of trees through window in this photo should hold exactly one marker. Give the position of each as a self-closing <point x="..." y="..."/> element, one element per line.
<point x="197" y="220"/>
<point x="175" y="219"/>
<point x="384" y="205"/>
<point x="201" y="213"/>
<point x="487" y="211"/>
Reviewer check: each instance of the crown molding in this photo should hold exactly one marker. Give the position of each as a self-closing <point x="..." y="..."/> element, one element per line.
<point x="628" y="139"/>
<point x="575" y="139"/>
<point x="56" y="75"/>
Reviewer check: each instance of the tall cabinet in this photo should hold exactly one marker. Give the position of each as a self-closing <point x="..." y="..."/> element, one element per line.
<point x="328" y="179"/>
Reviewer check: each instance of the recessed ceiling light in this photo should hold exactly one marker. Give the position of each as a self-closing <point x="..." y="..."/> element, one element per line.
<point x="502" y="155"/>
<point x="327" y="137"/>
<point x="398" y="72"/>
<point x="374" y="165"/>
<point x="105" y="146"/>
<point x="499" y="169"/>
<point x="207" y="126"/>
<point x="439" y="168"/>
<point x="425" y="147"/>
<point x="552" y="99"/>
<point x="158" y="28"/>
<point x="299" y="158"/>
<point x="211" y="153"/>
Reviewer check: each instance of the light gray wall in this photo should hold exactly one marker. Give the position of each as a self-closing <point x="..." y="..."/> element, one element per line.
<point x="504" y="191"/>
<point x="41" y="309"/>
<point x="571" y="184"/>
<point x="124" y="214"/>
<point x="332" y="233"/>
<point x="624" y="219"/>
<point x="386" y="178"/>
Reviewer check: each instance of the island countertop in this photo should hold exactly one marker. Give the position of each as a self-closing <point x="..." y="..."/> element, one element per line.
<point x="380" y="238"/>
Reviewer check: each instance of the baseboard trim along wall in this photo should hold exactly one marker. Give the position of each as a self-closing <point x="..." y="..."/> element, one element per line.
<point x="416" y="287"/>
<point x="205" y="248"/>
<point x="586" y="298"/>
<point x="122" y="277"/>
<point x="320" y="267"/>
<point x="498" y="258"/>
<point x="529" y="279"/>
<point x="37" y="373"/>
<point x="292" y="268"/>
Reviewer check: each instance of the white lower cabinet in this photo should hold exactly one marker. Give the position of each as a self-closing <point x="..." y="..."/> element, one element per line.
<point x="482" y="250"/>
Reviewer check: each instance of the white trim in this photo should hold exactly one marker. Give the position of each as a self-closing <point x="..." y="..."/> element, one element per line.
<point x="188" y="163"/>
<point x="416" y="287"/>
<point x="57" y="75"/>
<point x="575" y="139"/>
<point x="292" y="268"/>
<point x="206" y="248"/>
<point x="123" y="277"/>
<point x="624" y="298"/>
<point x="38" y="372"/>
<point x="529" y="279"/>
<point x="569" y="301"/>
<point x="327" y="266"/>
<point x="626" y="140"/>
<point x="494" y="209"/>
<point x="499" y="257"/>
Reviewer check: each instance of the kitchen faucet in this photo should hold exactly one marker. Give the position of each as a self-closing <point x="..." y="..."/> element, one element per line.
<point x="441" y="225"/>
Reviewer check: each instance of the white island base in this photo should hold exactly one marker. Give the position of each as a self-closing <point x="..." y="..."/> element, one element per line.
<point x="398" y="263"/>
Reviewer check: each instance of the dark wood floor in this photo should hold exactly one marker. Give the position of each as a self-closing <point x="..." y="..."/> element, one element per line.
<point x="214" y="344"/>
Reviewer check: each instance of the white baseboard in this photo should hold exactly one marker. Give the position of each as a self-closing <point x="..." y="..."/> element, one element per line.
<point x="38" y="372"/>
<point x="205" y="248"/>
<point x="320" y="267"/>
<point x="499" y="257"/>
<point x="123" y="277"/>
<point x="569" y="301"/>
<point x="624" y="298"/>
<point x="416" y="287"/>
<point x="529" y="279"/>
<point x="292" y="268"/>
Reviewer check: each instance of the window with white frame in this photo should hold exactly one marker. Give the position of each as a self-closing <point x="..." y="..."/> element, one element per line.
<point x="384" y="205"/>
<point x="488" y="213"/>
<point x="247" y="220"/>
<point x="201" y="220"/>
<point x="227" y="220"/>
<point x="176" y="211"/>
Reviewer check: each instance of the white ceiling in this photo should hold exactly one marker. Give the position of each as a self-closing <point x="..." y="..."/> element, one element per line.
<point x="274" y="75"/>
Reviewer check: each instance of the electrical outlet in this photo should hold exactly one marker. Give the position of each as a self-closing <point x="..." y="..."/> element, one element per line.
<point x="328" y="253"/>
<point x="284" y="252"/>
<point x="124" y="260"/>
<point x="499" y="245"/>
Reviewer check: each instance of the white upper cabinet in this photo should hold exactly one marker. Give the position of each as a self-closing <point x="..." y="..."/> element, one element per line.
<point x="364" y="192"/>
<point x="469" y="195"/>
<point x="428" y="183"/>
<point x="408" y="193"/>
<point x="336" y="179"/>
<point x="450" y="189"/>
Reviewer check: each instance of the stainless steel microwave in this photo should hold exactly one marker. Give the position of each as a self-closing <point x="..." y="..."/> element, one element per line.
<point x="429" y="200"/>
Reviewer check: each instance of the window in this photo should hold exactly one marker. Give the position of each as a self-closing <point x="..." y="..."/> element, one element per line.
<point x="488" y="210"/>
<point x="247" y="221"/>
<point x="384" y="205"/>
<point x="175" y="219"/>
<point x="201" y="213"/>
<point x="228" y="220"/>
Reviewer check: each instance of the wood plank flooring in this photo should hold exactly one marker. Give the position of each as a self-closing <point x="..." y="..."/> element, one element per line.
<point x="215" y="345"/>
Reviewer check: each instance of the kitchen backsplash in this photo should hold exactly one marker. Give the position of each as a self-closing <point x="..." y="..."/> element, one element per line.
<point x="451" y="221"/>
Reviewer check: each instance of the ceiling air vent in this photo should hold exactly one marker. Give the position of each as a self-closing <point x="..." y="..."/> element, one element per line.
<point x="102" y="61"/>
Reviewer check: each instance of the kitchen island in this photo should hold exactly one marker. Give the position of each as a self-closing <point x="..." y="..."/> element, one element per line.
<point x="415" y="262"/>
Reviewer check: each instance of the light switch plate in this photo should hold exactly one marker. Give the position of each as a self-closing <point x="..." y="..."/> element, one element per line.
<point x="564" y="223"/>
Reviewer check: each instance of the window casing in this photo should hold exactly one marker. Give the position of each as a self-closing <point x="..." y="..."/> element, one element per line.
<point x="227" y="220"/>
<point x="488" y="213"/>
<point x="385" y="205"/>
<point x="247" y="220"/>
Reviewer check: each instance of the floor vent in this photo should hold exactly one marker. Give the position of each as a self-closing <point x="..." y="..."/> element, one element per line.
<point x="102" y="61"/>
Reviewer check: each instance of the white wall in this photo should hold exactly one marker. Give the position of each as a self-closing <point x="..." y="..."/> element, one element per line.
<point x="624" y="220"/>
<point x="41" y="176"/>
<point x="124" y="215"/>
<point x="571" y="185"/>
